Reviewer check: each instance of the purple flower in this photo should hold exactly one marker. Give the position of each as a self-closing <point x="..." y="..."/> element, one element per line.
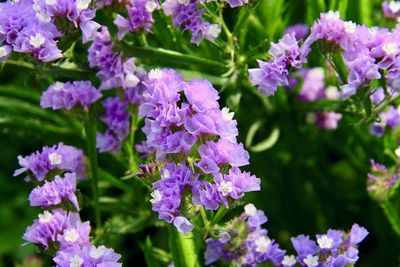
<point x="201" y="95"/>
<point x="304" y="246"/>
<point x="188" y="17"/>
<point x="329" y="28"/>
<point x="5" y="51"/>
<point x="46" y="228"/>
<point x="357" y="234"/>
<point x="87" y="255"/>
<point x="327" y="120"/>
<point x="255" y="217"/>
<point x="313" y="85"/>
<point x="183" y="225"/>
<point x="214" y="251"/>
<point x="116" y="118"/>
<point x="55" y="192"/>
<point x="236" y="3"/>
<point x="57" y="157"/>
<point x="69" y="95"/>
<point x="140" y="17"/>
<point x="300" y="31"/>
<point x="75" y="234"/>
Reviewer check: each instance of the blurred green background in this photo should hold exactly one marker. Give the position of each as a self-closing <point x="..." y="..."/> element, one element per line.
<point x="312" y="179"/>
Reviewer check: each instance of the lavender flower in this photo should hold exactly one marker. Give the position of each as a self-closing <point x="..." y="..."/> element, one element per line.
<point x="69" y="95"/>
<point x="57" y="157"/>
<point x="236" y="3"/>
<point x="391" y="10"/>
<point x="187" y="16"/>
<point x="55" y="192"/>
<point x="286" y="53"/>
<point x="140" y="17"/>
<point x="300" y="31"/>
<point x="87" y="255"/>
<point x="116" y="118"/>
<point x="381" y="181"/>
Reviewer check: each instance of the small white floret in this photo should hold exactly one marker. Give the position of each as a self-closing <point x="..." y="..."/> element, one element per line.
<point x="37" y="40"/>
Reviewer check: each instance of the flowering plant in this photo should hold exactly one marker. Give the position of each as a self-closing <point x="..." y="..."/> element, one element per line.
<point x="148" y="117"/>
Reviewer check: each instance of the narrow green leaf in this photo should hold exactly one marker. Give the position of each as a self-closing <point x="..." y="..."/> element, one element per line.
<point x="365" y="9"/>
<point x="392" y="215"/>
<point x="104" y="175"/>
<point x="252" y="132"/>
<point x="128" y="225"/>
<point x="267" y="143"/>
<point x="221" y="212"/>
<point x="147" y="248"/>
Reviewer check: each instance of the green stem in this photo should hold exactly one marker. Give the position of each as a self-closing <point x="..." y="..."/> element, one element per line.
<point x="222" y="211"/>
<point x="90" y="131"/>
<point x="170" y="55"/>
<point x="392" y="215"/>
<point x="182" y="248"/>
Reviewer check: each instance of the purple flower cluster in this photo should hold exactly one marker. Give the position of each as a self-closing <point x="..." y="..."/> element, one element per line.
<point x="56" y="158"/>
<point x="388" y="119"/>
<point x="188" y="16"/>
<point x="114" y="71"/>
<point x="59" y="230"/>
<point x="116" y="118"/>
<point x="75" y="11"/>
<point x="21" y="30"/>
<point x="286" y="54"/>
<point x="140" y="14"/>
<point x="242" y="241"/>
<point x="236" y="3"/>
<point x="69" y="95"/>
<point x="382" y="180"/>
<point x="197" y="140"/>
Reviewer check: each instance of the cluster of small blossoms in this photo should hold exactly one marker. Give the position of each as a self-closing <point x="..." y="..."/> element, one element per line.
<point x="367" y="52"/>
<point x="69" y="95"/>
<point x="286" y="54"/>
<point x="23" y="32"/>
<point x="59" y="230"/>
<point x="382" y="180"/>
<point x="196" y="141"/>
<point x="187" y="16"/>
<point x="314" y="89"/>
<point x="116" y="118"/>
<point x="243" y="242"/>
<point x="140" y="17"/>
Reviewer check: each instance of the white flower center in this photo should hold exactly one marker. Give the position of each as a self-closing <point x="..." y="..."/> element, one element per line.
<point x="214" y="30"/>
<point x="3" y="51"/>
<point x="151" y="6"/>
<point x="165" y="174"/>
<point x="289" y="260"/>
<point x="71" y="235"/>
<point x="390" y="48"/>
<point x="37" y="40"/>
<point x="324" y="242"/>
<point x="397" y="152"/>
<point x="82" y="4"/>
<point x="57" y="86"/>
<point x="350" y="27"/>
<point x="332" y="92"/>
<point x="96" y="253"/>
<point x="311" y="261"/>
<point x="45" y="217"/>
<point x="155" y="74"/>
<point x="43" y="16"/>
<point x="394" y="6"/>
<point x="75" y="261"/>
<point x="50" y="2"/>
<point x="156" y="196"/>
<point x="262" y="244"/>
<point x="226" y="114"/>
<point x="333" y="15"/>
<point x="225" y="188"/>
<point x="183" y="2"/>
<point x="250" y="210"/>
<point x="55" y="158"/>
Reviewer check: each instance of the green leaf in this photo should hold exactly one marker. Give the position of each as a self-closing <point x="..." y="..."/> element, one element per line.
<point x="392" y="215"/>
<point x="365" y="10"/>
<point x="104" y="175"/>
<point x="182" y="248"/>
<point x="147" y="248"/>
<point x="128" y="225"/>
<point x="341" y="6"/>
<point x="267" y="143"/>
<point x="314" y="9"/>
<point x="221" y="212"/>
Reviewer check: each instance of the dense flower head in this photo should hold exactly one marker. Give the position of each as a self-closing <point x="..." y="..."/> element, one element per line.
<point x="189" y="17"/>
<point x="22" y="30"/>
<point x="55" y="192"/>
<point x="58" y="227"/>
<point x="381" y="180"/>
<point x="87" y="255"/>
<point x="69" y="95"/>
<point x="57" y="157"/>
<point x="184" y="122"/>
<point x="140" y="17"/>
<point x="116" y="117"/>
<point x="286" y="54"/>
<point x="242" y="241"/>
